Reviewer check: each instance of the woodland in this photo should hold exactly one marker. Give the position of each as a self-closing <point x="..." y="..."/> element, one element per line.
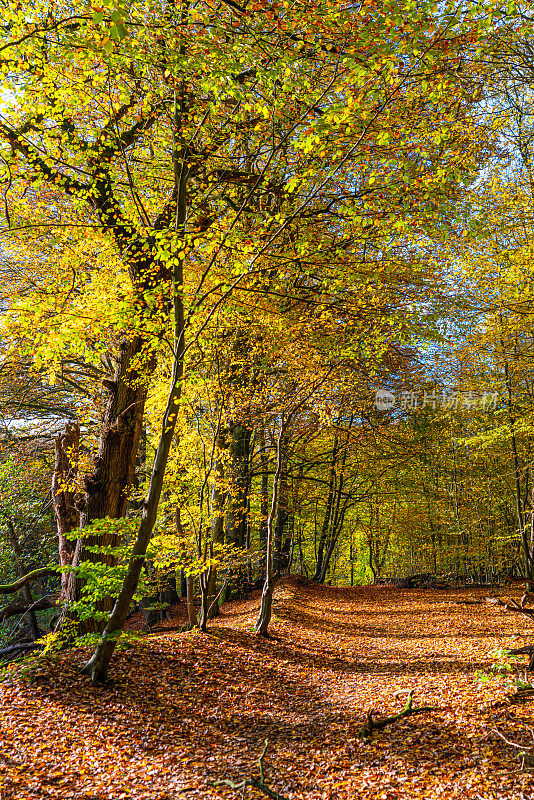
<point x="266" y="399"/>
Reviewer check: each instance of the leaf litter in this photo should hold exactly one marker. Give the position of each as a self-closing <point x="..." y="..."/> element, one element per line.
<point x="185" y="710"/>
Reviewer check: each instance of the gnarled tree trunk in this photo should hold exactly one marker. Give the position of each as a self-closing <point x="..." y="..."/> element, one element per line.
<point x="106" y="487"/>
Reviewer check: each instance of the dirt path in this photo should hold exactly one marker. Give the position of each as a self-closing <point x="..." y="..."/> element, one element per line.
<point x="377" y="641"/>
<point x="186" y="710"/>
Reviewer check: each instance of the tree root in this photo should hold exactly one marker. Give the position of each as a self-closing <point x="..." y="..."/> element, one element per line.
<point x="513" y="605"/>
<point x="371" y="725"/>
<point x="527" y="758"/>
<point x="188" y="626"/>
<point x="525" y="651"/>
<point x="259" y="785"/>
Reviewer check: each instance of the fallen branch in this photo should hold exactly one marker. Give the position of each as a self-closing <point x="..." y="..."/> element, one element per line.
<point x="495" y="601"/>
<point x="520" y="695"/>
<point x="11" y="588"/>
<point x="370" y="725"/>
<point x="528" y="650"/>
<point x="513" y="605"/>
<point x="20" y="648"/>
<point x="510" y="580"/>
<point x="252" y="782"/>
<point x="527" y="759"/>
<point x="47" y="601"/>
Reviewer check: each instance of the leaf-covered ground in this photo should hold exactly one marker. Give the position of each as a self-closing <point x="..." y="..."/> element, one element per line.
<point x="186" y="710"/>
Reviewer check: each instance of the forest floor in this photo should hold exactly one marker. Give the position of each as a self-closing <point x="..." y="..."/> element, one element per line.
<point x="185" y="710"/>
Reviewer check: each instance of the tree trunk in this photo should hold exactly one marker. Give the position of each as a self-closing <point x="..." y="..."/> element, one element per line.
<point x="337" y="517"/>
<point x="264" y="500"/>
<point x="218" y="497"/>
<point x="204" y="603"/>
<point x="64" y="498"/>
<point x="97" y="667"/>
<point x="331" y="546"/>
<point x="351" y="558"/>
<point x="528" y="552"/>
<point x="236" y="503"/>
<point x="187" y="582"/>
<point x="191" y="613"/>
<point x="262" y="623"/>
<point x="106" y="488"/>
<point x="279" y="555"/>
<point x="183" y="584"/>
<point x="239" y="481"/>
<point x="328" y="511"/>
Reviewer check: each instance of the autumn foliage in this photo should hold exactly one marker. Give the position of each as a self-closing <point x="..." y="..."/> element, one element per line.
<point x="266" y="312"/>
<point x="185" y="711"/>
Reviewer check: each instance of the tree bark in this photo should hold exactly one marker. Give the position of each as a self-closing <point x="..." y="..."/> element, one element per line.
<point x="236" y="502"/>
<point x="264" y="498"/>
<point x="262" y="623"/>
<point x="12" y="609"/>
<point x="11" y="588"/>
<point x="337" y="520"/>
<point x="106" y="488"/>
<point x="204" y="604"/>
<point x="236" y="514"/>
<point x="218" y="497"/>
<point x="97" y="667"/>
<point x="191" y="613"/>
<point x="64" y="497"/>
<point x="328" y="510"/>
<point x="280" y="559"/>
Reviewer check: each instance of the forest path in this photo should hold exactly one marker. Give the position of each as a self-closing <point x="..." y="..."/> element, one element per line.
<point x="185" y="710"/>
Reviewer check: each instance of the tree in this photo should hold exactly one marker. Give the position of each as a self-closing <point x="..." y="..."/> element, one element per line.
<point x="162" y="139"/>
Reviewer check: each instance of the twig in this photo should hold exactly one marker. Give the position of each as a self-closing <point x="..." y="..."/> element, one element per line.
<point x="252" y="782"/>
<point x="370" y="725"/>
<point x="260" y="760"/>
<point x="525" y="751"/>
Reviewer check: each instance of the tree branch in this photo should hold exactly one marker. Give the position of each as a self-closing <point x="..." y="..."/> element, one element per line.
<point x="11" y="588"/>
<point x="20" y="648"/>
<point x="39" y="166"/>
<point x="13" y="609"/>
<point x="370" y="725"/>
<point x="252" y="782"/>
